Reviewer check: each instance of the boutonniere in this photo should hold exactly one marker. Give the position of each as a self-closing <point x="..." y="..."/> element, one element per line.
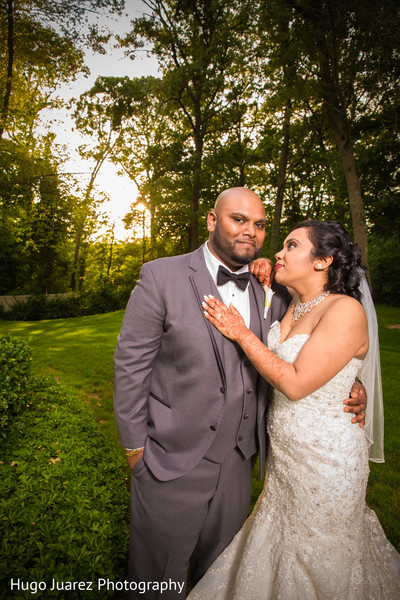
<point x="268" y="299"/>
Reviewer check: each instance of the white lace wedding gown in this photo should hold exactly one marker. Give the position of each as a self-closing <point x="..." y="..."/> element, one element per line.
<point x="310" y="535"/>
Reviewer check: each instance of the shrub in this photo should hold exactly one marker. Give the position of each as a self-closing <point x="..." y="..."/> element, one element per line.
<point x="62" y="307"/>
<point x="15" y="360"/>
<point x="104" y="298"/>
<point x="30" y="310"/>
<point x="37" y="308"/>
<point x="63" y="499"/>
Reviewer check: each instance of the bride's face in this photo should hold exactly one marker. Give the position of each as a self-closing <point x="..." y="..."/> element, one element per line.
<point x="295" y="262"/>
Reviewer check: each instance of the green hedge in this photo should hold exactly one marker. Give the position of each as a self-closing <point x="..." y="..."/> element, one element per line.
<point x="104" y="298"/>
<point x="63" y="500"/>
<point x="15" y="360"/>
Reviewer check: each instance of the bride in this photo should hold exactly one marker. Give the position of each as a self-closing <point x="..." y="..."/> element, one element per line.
<point x="311" y="535"/>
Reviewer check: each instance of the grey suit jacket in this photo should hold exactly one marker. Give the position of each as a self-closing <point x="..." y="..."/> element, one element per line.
<point x="169" y="375"/>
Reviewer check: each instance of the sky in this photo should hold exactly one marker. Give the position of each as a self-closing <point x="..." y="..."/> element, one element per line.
<point x="121" y="190"/>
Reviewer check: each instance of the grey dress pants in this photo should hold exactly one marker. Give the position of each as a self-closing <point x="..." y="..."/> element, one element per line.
<point x="188" y="520"/>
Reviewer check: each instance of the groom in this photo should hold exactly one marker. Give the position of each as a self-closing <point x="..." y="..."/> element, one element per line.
<point x="190" y="407"/>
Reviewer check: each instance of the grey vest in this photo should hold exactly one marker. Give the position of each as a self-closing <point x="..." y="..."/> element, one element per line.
<point x="237" y="427"/>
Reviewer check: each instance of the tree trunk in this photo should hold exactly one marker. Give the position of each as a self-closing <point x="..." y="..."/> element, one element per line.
<point x="110" y="257"/>
<point x="153" y="225"/>
<point x="281" y="181"/>
<point x="242" y="164"/>
<point x="80" y="229"/>
<point x="78" y="240"/>
<point x="339" y="126"/>
<point x="336" y="109"/>
<point x="83" y="218"/>
<point x="196" y="190"/>
<point x="10" y="63"/>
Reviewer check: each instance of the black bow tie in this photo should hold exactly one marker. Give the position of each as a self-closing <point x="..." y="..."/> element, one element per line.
<point x="224" y="276"/>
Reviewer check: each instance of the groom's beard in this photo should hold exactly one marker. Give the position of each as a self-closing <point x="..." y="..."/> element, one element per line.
<point x="227" y="249"/>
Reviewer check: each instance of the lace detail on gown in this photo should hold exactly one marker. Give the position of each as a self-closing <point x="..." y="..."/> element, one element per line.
<point x="310" y="535"/>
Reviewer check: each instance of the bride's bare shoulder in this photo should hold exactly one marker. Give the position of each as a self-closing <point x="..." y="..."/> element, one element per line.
<point x="346" y="306"/>
<point x="345" y="300"/>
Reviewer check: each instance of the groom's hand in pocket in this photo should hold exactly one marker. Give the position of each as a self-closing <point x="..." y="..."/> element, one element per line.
<point x="132" y="460"/>
<point x="357" y="403"/>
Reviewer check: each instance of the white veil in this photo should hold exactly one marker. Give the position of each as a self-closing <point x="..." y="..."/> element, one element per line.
<point x="371" y="379"/>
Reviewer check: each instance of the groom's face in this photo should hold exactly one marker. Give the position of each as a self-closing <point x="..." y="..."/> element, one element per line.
<point x="237" y="228"/>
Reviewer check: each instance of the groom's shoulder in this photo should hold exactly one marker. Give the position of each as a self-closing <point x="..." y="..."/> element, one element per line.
<point x="167" y="264"/>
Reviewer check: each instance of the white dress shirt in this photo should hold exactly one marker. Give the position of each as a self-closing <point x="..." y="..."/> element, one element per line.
<point x="230" y="293"/>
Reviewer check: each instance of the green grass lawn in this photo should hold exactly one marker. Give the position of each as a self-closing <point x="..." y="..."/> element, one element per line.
<point x="384" y="484"/>
<point x="79" y="352"/>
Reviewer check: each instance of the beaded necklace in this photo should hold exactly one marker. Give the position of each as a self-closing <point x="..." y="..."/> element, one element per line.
<point x="302" y="308"/>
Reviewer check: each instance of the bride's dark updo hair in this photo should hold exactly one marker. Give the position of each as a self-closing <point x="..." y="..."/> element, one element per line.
<point x="330" y="238"/>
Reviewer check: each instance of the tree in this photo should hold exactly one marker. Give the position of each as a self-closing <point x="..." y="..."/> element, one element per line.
<point x="279" y="69"/>
<point x="92" y="119"/>
<point x="43" y="38"/>
<point x="196" y="42"/>
<point x="41" y="50"/>
<point x="346" y="41"/>
<point x="36" y="215"/>
<point x="9" y="7"/>
<point x="150" y="144"/>
<point x="50" y="222"/>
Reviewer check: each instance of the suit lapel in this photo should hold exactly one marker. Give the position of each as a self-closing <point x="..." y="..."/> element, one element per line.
<point x="202" y="283"/>
<point x="260" y="299"/>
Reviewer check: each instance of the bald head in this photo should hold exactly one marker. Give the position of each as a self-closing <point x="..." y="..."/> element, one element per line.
<point x="236" y="227"/>
<point x="237" y="195"/>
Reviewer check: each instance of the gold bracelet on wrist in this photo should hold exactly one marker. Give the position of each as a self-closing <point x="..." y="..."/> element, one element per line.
<point x="134" y="452"/>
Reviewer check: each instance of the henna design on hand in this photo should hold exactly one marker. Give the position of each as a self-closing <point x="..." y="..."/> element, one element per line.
<point x="263" y="270"/>
<point x="227" y="320"/>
